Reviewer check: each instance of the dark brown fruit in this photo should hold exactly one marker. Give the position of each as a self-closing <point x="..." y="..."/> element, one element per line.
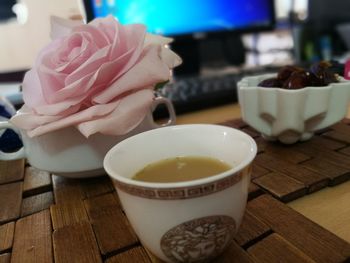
<point x="292" y="77"/>
<point x="298" y="80"/>
<point x="285" y="72"/>
<point x="270" y="83"/>
<point x="322" y="76"/>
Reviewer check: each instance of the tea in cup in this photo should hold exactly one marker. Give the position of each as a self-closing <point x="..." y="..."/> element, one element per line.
<point x="68" y="153"/>
<point x="189" y="219"/>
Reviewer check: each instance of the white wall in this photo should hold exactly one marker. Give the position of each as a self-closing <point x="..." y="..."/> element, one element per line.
<point x="283" y="7"/>
<point x="19" y="43"/>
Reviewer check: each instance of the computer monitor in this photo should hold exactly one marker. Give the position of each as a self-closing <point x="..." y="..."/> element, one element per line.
<point x="189" y="21"/>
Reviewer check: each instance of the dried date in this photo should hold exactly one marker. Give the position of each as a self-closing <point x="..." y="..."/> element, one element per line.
<point x="292" y="77"/>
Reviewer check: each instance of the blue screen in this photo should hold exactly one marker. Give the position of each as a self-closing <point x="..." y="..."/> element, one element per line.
<point x="179" y="17"/>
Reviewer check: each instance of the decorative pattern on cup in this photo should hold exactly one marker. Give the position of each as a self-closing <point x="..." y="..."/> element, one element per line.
<point x="183" y="192"/>
<point x="199" y="239"/>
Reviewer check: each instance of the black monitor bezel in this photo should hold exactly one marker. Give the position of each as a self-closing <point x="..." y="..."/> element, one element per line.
<point x="198" y="35"/>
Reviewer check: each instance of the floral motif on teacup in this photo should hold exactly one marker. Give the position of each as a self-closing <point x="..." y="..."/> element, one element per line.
<point x="198" y="239"/>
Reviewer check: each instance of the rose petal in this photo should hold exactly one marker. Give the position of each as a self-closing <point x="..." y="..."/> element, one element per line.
<point x="112" y="70"/>
<point x="170" y="58"/>
<point x="76" y="50"/>
<point x="59" y="108"/>
<point x="50" y="80"/>
<point x="89" y="66"/>
<point x="147" y="72"/>
<point x="115" y="118"/>
<point x="121" y="56"/>
<point x="32" y="93"/>
<point x="96" y="111"/>
<point x="100" y="39"/>
<point x="62" y="27"/>
<point x="130" y="37"/>
<point x="74" y="92"/>
<point x="108" y="25"/>
<point x="125" y="117"/>
<point x="157" y="39"/>
<point x="74" y="96"/>
<point x="27" y="119"/>
<point x="32" y="89"/>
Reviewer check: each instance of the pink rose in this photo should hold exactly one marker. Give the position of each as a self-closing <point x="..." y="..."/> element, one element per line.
<point x="98" y="77"/>
<point x="347" y="70"/>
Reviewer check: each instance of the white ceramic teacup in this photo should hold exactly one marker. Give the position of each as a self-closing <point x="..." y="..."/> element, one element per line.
<point x="68" y="153"/>
<point x="184" y="221"/>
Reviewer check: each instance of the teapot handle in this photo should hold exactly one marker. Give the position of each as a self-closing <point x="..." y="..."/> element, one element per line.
<point x="20" y="153"/>
<point x="170" y="108"/>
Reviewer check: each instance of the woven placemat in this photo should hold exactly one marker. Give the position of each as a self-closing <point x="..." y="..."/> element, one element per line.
<point x="47" y="218"/>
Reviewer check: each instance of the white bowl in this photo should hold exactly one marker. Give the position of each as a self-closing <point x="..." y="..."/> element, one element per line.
<point x="291" y="115"/>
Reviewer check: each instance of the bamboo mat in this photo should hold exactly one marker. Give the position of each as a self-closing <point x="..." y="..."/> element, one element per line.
<point x="47" y="218"/>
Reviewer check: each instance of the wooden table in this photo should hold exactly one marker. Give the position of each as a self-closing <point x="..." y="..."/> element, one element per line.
<point x="328" y="207"/>
<point x="47" y="218"/>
